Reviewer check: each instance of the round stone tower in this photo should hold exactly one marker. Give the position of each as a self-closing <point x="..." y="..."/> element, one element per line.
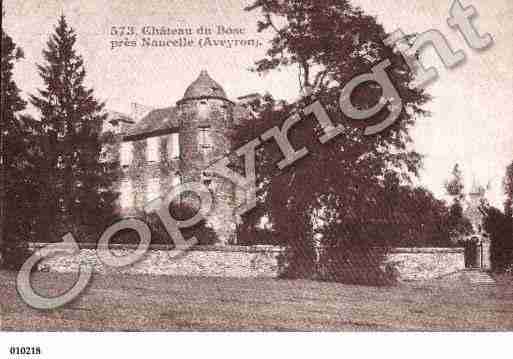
<point x="205" y="118"/>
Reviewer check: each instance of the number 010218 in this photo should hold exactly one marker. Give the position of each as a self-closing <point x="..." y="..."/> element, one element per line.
<point x="24" y="350"/>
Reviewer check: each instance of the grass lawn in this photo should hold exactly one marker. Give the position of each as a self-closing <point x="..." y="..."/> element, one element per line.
<point x="132" y="303"/>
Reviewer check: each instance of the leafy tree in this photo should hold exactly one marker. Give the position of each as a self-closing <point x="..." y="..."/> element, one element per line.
<point x="508" y="189"/>
<point x="415" y="218"/>
<point x="500" y="228"/>
<point x="338" y="183"/>
<point x="18" y="156"/>
<point x="77" y="182"/>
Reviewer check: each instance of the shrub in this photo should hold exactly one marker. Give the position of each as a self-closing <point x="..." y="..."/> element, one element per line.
<point x="356" y="263"/>
<point x="202" y="231"/>
<point x="297" y="262"/>
<point x="257" y="236"/>
<point x="500" y="228"/>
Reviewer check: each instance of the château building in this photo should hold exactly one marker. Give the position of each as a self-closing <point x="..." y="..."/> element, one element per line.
<point x="159" y="148"/>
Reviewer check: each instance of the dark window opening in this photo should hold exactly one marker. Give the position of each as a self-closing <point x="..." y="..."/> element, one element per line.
<point x="206" y="178"/>
<point x="204" y="139"/>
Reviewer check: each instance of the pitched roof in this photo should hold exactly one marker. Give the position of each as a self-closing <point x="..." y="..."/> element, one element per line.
<point x="114" y="116"/>
<point x="117" y="122"/>
<point x="164" y="120"/>
<point x="154" y="123"/>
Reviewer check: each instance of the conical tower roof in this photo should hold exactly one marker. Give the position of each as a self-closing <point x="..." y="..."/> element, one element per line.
<point x="204" y="87"/>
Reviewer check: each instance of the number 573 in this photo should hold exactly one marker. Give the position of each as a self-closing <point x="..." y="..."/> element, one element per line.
<point x="122" y="30"/>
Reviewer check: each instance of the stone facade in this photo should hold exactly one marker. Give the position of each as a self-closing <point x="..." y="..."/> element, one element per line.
<point x="158" y="149"/>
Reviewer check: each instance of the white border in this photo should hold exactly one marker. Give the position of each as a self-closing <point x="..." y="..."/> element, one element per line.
<point x="259" y="345"/>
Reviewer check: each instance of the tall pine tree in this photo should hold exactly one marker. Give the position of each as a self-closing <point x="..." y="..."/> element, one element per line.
<point x="18" y="159"/>
<point x="77" y="194"/>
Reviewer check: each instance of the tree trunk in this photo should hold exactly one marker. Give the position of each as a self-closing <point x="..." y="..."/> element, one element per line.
<point x="47" y="201"/>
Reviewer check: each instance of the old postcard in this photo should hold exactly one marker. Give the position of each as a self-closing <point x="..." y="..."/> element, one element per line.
<point x="255" y="165"/>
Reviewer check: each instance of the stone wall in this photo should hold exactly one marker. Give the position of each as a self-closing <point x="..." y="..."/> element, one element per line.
<point x="426" y="263"/>
<point x="411" y="264"/>
<point x="218" y="261"/>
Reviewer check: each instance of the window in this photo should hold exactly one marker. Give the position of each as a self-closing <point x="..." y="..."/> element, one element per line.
<point x="104" y="155"/>
<point x="203" y="109"/>
<point x="126" y="195"/>
<point x="204" y="139"/>
<point x="152" y="189"/>
<point x="173" y="146"/>
<point x="108" y="153"/>
<point x="206" y="178"/>
<point x="125" y="154"/>
<point x="176" y="180"/>
<point x="152" y="149"/>
<point x="60" y="162"/>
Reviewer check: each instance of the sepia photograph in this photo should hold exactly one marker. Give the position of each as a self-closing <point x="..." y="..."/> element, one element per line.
<point x="254" y="166"/>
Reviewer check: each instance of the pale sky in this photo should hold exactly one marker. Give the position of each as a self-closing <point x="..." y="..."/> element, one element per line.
<point x="472" y="121"/>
